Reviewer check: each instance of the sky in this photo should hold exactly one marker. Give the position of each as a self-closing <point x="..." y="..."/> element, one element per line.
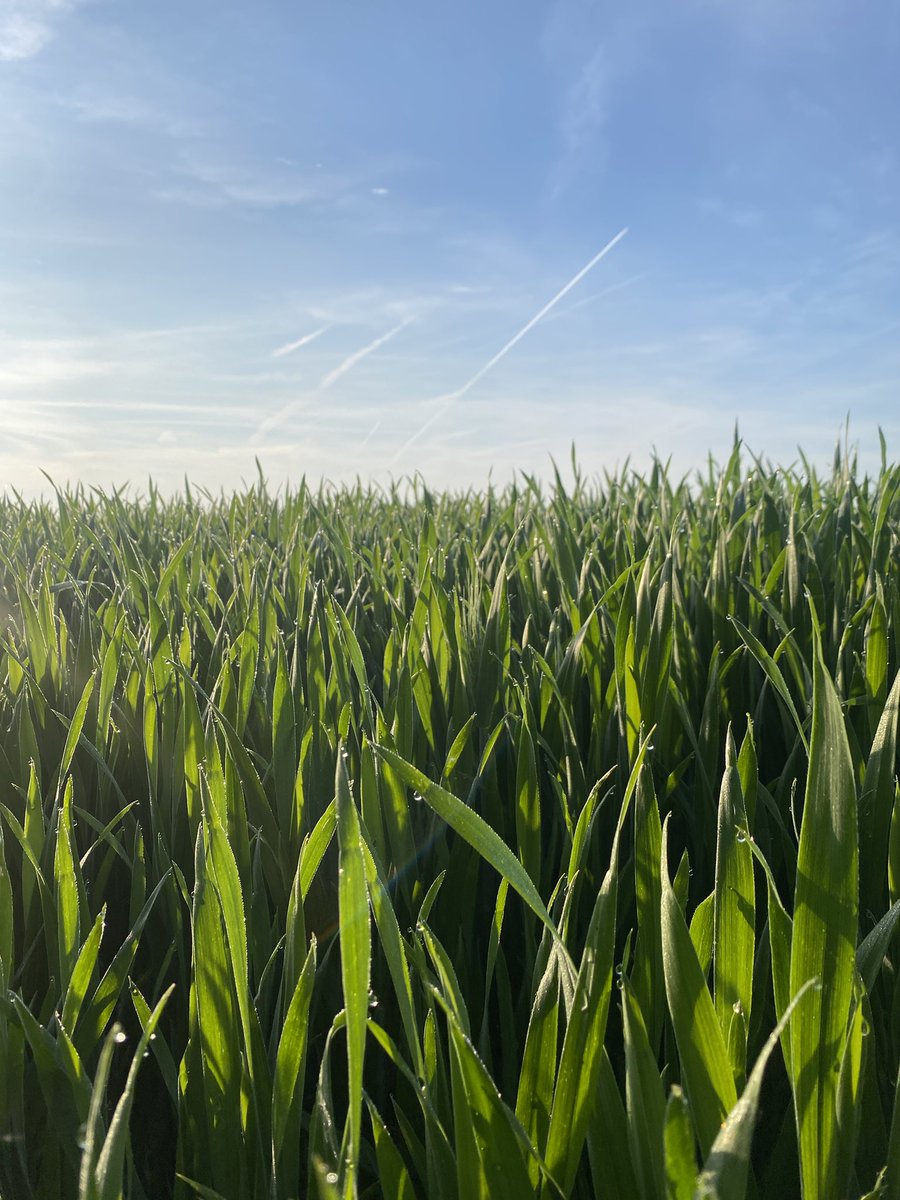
<point x="319" y="235"/>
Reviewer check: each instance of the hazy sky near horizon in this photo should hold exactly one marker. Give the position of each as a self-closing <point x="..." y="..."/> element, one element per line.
<point x="300" y="233"/>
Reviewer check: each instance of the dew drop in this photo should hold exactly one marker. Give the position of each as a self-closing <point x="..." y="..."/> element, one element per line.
<point x="120" y="1038"/>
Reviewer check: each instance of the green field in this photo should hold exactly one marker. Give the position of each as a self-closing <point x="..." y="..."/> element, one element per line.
<point x="542" y="841"/>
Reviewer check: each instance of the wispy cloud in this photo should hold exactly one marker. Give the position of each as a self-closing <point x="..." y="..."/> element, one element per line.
<point x="25" y="370"/>
<point x="95" y="107"/>
<point x="585" y="111"/>
<point x="38" y="361"/>
<point x="161" y="109"/>
<point x="741" y="216"/>
<point x="176" y="410"/>
<point x="592" y="51"/>
<point x="282" y="351"/>
<point x="447" y="401"/>
<point x="204" y="180"/>
<point x="26" y="26"/>
<point x="768" y="21"/>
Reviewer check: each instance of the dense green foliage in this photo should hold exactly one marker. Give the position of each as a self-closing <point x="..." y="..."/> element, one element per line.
<point x="490" y="845"/>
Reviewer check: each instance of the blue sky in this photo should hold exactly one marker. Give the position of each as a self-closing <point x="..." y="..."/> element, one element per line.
<point x="299" y="232"/>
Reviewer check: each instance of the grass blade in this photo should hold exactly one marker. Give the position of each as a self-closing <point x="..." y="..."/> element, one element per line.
<point x="724" y="1175"/>
<point x="823" y="942"/>
<point x="353" y="906"/>
<point x="706" y="1071"/>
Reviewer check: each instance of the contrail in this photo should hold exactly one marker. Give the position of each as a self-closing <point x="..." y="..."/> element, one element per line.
<point x="278" y="418"/>
<point x="451" y="397"/>
<point x="607" y="291"/>
<point x="358" y="355"/>
<point x="304" y="341"/>
<point x="327" y="381"/>
<point x="576" y="279"/>
<point x="370" y="434"/>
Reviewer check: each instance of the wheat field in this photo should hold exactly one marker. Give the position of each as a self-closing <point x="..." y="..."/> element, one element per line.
<point x="535" y="842"/>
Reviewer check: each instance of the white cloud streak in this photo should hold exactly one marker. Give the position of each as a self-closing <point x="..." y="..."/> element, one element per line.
<point x="452" y="397"/>
<point x="358" y="355"/>
<point x="370" y="435"/>
<point x="300" y="342"/>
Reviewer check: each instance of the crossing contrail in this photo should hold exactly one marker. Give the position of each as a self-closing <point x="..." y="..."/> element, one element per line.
<point x="451" y="397"/>
<point x="296" y="406"/>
